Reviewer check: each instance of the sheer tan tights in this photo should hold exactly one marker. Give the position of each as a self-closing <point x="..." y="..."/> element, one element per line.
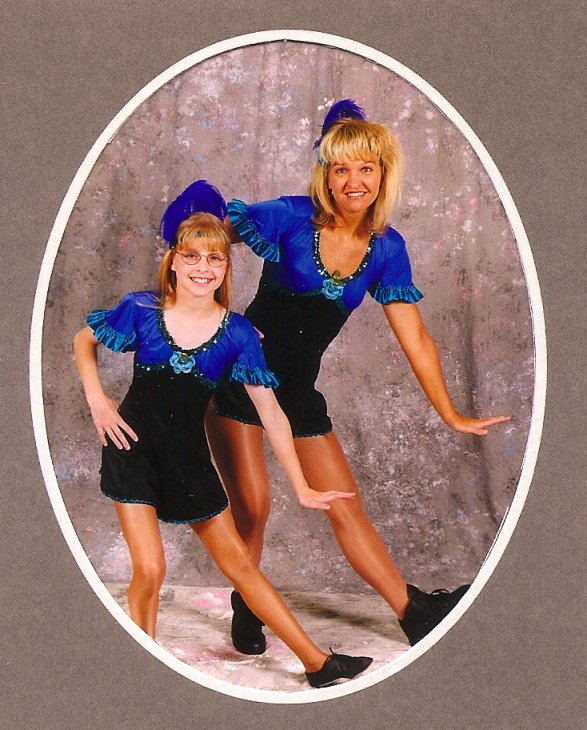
<point x="238" y="451"/>
<point x="222" y="541"/>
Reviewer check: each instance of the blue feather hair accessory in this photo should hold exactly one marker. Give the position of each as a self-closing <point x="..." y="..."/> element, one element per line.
<point x="199" y="197"/>
<point x="343" y="109"/>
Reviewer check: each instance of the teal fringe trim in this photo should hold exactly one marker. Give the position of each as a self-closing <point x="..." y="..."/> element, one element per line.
<point x="193" y="519"/>
<point x="108" y="336"/>
<point x="387" y="294"/>
<point x="253" y="376"/>
<point x="247" y="230"/>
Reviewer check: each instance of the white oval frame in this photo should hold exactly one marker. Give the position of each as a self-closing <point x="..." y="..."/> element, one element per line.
<point x="538" y="402"/>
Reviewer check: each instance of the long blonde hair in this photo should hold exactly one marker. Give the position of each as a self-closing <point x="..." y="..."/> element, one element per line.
<point x="357" y="139"/>
<point x="200" y="227"/>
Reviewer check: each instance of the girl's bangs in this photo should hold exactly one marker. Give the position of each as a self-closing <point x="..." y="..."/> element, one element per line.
<point x="209" y="240"/>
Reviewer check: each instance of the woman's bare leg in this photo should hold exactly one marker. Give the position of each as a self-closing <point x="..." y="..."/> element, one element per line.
<point x="325" y="467"/>
<point x="230" y="553"/>
<point x="141" y="531"/>
<point x="238" y="452"/>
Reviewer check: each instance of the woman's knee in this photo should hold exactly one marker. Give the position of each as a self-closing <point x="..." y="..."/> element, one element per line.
<point x="347" y="513"/>
<point x="251" y="505"/>
<point x="257" y="510"/>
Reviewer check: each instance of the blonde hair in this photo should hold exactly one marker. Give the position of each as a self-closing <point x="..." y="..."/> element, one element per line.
<point x="199" y="227"/>
<point x="356" y="139"/>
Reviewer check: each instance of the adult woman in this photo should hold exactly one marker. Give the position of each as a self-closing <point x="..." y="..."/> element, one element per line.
<point x="322" y="254"/>
<point x="155" y="459"/>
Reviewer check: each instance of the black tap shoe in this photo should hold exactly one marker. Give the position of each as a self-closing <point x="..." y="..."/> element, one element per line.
<point x="246" y="631"/>
<point x="338" y="666"/>
<point x="426" y="610"/>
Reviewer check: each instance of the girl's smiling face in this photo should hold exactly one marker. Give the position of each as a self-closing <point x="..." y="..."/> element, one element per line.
<point x="199" y="267"/>
<point x="354" y="185"/>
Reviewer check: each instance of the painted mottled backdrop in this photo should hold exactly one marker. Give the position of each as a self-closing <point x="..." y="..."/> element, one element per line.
<point x="246" y="120"/>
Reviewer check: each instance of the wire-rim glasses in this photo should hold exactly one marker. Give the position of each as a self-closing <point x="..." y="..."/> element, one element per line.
<point x="215" y="258"/>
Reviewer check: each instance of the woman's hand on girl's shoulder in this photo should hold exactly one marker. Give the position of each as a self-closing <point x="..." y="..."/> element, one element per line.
<point x="108" y="420"/>
<point x="312" y="499"/>
<point x="477" y="426"/>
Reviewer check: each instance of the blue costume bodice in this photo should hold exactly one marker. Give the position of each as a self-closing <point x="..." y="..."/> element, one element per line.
<point x="283" y="234"/>
<point x="137" y="324"/>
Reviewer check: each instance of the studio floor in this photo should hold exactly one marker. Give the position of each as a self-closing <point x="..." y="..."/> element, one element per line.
<point x="194" y="626"/>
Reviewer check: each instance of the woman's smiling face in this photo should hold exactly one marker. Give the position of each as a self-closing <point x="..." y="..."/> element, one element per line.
<point x="354" y="185"/>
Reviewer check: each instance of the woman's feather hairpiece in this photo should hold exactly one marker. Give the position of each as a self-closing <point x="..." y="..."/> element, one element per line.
<point x="343" y="109"/>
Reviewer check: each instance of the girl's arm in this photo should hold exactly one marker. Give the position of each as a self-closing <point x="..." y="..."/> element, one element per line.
<point x="278" y="432"/>
<point x="407" y="324"/>
<point x="104" y="410"/>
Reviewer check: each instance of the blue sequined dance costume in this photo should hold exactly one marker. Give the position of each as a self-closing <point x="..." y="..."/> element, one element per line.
<point x="300" y="308"/>
<point x="170" y="466"/>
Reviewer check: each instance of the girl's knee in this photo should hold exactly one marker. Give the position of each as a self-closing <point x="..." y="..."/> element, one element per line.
<point x="238" y="566"/>
<point x="150" y="573"/>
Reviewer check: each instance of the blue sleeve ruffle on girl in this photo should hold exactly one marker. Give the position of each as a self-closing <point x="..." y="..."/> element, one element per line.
<point x="115" y="328"/>
<point x="260" y="225"/>
<point x="250" y="366"/>
<point x="253" y="376"/>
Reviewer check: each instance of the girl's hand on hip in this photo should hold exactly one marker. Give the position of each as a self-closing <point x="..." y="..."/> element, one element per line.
<point x="313" y="499"/>
<point x="477" y="426"/>
<point x="108" y="420"/>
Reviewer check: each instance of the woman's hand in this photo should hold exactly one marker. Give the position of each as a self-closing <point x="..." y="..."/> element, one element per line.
<point x="108" y="420"/>
<point x="406" y="322"/>
<point x="478" y="426"/>
<point x="313" y="499"/>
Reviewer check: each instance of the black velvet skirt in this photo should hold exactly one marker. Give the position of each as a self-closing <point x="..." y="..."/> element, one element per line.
<point x="297" y="329"/>
<point x="170" y="466"/>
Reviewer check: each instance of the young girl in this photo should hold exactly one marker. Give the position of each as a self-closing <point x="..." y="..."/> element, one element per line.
<point x="322" y="254"/>
<point x="155" y="458"/>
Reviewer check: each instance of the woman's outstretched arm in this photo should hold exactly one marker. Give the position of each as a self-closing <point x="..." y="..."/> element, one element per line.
<point x="278" y="432"/>
<point x="406" y="322"/>
<point x="104" y="410"/>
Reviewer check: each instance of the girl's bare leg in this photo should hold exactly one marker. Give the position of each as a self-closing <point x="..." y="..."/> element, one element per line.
<point x="230" y="553"/>
<point x="238" y="450"/>
<point x="141" y="531"/>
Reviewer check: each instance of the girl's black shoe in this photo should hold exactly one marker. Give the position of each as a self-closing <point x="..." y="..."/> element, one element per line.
<point x="246" y="631"/>
<point x="426" y="610"/>
<point x="338" y="666"/>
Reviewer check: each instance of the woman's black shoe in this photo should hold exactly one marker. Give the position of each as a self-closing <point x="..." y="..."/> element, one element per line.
<point x="426" y="610"/>
<point x="246" y="631"/>
<point x="338" y="666"/>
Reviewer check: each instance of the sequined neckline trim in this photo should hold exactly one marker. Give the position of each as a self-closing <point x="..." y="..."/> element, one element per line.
<point x="193" y="350"/>
<point x="322" y="270"/>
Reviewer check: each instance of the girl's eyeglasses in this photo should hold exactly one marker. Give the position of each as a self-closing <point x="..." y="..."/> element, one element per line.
<point x="191" y="258"/>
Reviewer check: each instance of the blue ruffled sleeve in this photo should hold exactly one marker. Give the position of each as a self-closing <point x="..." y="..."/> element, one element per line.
<point x="250" y="366"/>
<point x="395" y="283"/>
<point x="115" y="328"/>
<point x="261" y="225"/>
